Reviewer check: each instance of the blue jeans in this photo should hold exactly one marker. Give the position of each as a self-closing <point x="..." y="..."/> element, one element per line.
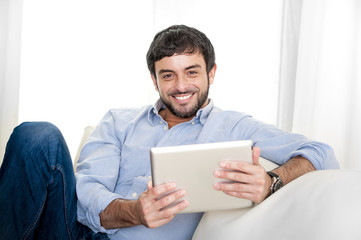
<point x="37" y="187"/>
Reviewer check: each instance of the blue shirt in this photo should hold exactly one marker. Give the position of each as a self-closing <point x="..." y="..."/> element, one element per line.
<point x="115" y="161"/>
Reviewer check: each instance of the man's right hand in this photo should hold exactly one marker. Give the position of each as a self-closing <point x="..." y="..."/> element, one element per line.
<point x="148" y="210"/>
<point x="151" y="204"/>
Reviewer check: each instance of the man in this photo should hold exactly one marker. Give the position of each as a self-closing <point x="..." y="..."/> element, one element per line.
<point x="115" y="197"/>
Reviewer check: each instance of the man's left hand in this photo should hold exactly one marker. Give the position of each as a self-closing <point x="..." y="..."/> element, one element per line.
<point x="248" y="181"/>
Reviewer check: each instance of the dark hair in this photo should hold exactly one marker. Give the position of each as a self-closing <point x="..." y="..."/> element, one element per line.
<point x="180" y="39"/>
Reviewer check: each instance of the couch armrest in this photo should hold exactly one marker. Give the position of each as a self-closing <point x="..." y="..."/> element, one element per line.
<point x="322" y="204"/>
<point x="87" y="131"/>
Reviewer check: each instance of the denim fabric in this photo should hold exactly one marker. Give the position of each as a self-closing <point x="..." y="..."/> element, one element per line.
<point x="37" y="187"/>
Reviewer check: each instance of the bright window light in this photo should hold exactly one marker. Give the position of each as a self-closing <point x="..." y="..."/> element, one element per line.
<point x="82" y="57"/>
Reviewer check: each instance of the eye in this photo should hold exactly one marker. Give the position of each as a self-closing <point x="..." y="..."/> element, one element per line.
<point x="167" y="76"/>
<point x="192" y="73"/>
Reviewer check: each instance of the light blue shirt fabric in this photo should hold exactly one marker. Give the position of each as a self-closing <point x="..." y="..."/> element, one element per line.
<point x="115" y="161"/>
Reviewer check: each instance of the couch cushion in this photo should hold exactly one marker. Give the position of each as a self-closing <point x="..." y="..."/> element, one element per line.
<point x="319" y="205"/>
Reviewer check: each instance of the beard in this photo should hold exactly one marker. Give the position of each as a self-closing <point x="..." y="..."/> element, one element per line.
<point x="189" y="112"/>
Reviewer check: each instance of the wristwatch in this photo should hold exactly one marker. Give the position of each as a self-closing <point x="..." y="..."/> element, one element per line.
<point x="277" y="182"/>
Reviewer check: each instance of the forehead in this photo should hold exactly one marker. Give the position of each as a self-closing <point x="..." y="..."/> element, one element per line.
<point x="180" y="62"/>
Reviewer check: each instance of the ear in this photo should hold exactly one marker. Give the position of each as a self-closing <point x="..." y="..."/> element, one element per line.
<point x="154" y="82"/>
<point x="212" y="74"/>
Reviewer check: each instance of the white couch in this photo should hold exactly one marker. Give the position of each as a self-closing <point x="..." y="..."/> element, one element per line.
<point x="321" y="205"/>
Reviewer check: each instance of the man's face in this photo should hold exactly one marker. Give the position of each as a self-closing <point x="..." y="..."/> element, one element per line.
<point x="182" y="82"/>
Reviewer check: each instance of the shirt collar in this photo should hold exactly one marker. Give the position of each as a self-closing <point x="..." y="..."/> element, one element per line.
<point x="202" y="114"/>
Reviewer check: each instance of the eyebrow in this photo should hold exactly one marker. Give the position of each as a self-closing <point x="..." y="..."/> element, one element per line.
<point x="165" y="71"/>
<point x="193" y="66"/>
<point x="171" y="71"/>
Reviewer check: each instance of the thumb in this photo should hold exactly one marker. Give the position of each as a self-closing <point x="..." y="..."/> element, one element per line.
<point x="149" y="185"/>
<point x="255" y="155"/>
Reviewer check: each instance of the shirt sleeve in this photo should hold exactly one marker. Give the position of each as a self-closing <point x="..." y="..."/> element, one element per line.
<point x="96" y="174"/>
<point x="280" y="146"/>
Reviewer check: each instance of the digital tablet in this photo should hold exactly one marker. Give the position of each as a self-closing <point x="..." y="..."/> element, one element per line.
<point x="191" y="167"/>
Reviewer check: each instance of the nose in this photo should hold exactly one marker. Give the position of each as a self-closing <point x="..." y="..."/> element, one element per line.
<point x="181" y="84"/>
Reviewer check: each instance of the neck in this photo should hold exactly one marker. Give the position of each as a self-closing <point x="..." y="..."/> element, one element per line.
<point x="171" y="119"/>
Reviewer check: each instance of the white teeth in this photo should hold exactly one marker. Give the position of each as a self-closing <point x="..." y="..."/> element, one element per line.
<point x="183" y="97"/>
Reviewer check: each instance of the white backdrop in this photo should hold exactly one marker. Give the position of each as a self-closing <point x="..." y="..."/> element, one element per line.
<point x="81" y="57"/>
<point x="321" y="74"/>
<point x="10" y="42"/>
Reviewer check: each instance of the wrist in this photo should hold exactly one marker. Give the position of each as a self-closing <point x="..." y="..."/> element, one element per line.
<point x="120" y="213"/>
<point x="276" y="182"/>
<point x="137" y="213"/>
<point x="268" y="185"/>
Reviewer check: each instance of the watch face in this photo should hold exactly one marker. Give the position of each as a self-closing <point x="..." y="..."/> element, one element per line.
<point x="278" y="184"/>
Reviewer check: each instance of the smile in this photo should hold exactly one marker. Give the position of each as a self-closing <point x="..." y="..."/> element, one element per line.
<point x="183" y="97"/>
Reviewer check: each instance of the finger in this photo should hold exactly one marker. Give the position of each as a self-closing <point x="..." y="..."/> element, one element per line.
<point x="233" y="176"/>
<point x="163" y="216"/>
<point x="158" y="222"/>
<point x="172" y="210"/>
<point x="169" y="199"/>
<point x="238" y="166"/>
<point x="148" y="198"/>
<point x="254" y="197"/>
<point x="234" y="187"/>
<point x="161" y="189"/>
<point x="245" y="195"/>
<point x="255" y="155"/>
<point x="149" y="185"/>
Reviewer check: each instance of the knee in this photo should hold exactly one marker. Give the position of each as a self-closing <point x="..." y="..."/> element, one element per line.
<point x="35" y="132"/>
<point x="36" y="128"/>
<point x="35" y="141"/>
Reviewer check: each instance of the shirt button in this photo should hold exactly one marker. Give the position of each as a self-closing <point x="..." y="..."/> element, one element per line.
<point x="192" y="123"/>
<point x="165" y="128"/>
<point x="134" y="195"/>
<point x="160" y="122"/>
